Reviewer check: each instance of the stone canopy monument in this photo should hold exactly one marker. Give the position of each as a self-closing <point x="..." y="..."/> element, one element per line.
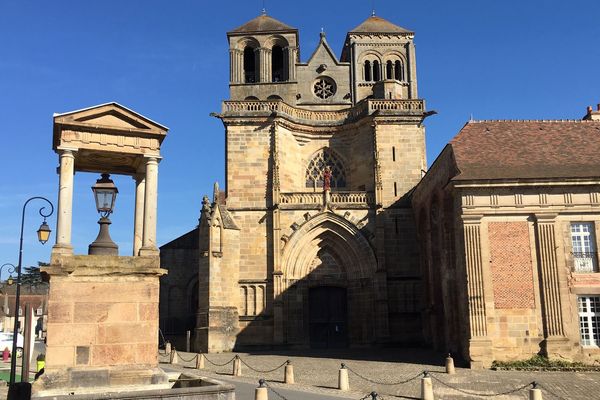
<point x="103" y="309"/>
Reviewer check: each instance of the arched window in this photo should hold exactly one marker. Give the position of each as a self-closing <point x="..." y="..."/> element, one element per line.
<point x="376" y="71"/>
<point x="399" y="71"/>
<point x="316" y="167"/>
<point x="389" y="70"/>
<point x="250" y="75"/>
<point x="367" y="71"/>
<point x="274" y="97"/>
<point x="277" y="64"/>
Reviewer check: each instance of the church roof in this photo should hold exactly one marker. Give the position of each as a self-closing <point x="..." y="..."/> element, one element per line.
<point x="375" y="24"/>
<point x="527" y="150"/>
<point x="262" y="23"/>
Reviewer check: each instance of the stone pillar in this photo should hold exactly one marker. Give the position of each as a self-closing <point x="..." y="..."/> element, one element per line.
<point x="236" y="66"/>
<point x="480" y="350"/>
<point x="239" y="62"/>
<point x="265" y="64"/>
<point x="150" y="202"/>
<point x="138" y="222"/>
<point x="552" y="319"/>
<point x="258" y="59"/>
<point x="232" y="66"/>
<point x="278" y="289"/>
<point x="412" y="72"/>
<point x="291" y="62"/>
<point x="65" y="203"/>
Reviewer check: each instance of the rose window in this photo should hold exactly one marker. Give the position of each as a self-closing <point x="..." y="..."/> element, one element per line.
<point x="324" y="88"/>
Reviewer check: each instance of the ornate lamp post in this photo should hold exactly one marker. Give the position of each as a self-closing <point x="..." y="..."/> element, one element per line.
<point x="43" y="236"/>
<point x="105" y="194"/>
<point x="9" y="281"/>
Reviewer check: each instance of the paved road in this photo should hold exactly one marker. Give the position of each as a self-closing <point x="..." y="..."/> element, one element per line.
<point x="386" y="369"/>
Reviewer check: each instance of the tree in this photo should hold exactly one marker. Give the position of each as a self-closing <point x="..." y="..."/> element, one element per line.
<point x="32" y="276"/>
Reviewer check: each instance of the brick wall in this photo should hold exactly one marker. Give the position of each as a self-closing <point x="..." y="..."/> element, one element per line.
<point x="510" y="262"/>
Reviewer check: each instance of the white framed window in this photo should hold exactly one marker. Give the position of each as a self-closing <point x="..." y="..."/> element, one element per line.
<point x="584" y="247"/>
<point x="589" y="320"/>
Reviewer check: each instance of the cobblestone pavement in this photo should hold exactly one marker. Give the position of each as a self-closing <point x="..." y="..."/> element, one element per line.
<point x="317" y="372"/>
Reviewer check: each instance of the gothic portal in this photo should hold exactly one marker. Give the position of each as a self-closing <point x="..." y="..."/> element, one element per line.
<point x="312" y="241"/>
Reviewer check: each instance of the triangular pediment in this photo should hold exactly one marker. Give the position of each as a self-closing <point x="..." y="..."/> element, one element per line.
<point x="110" y="115"/>
<point x="323" y="52"/>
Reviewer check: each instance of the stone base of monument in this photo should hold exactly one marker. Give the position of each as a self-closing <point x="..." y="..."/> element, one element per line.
<point x="178" y="385"/>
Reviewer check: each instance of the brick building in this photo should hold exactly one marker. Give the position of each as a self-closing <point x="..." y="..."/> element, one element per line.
<point x="508" y="218"/>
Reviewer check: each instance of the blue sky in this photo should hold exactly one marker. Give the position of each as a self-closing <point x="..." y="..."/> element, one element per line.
<point x="168" y="60"/>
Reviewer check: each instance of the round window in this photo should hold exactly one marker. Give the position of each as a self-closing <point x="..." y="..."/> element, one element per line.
<point x="324" y="87"/>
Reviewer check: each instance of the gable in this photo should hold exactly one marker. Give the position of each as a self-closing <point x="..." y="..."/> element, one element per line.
<point x="323" y="55"/>
<point x="110" y="115"/>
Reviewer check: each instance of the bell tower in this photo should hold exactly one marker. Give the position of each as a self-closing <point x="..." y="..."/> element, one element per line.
<point x="382" y="56"/>
<point x="263" y="54"/>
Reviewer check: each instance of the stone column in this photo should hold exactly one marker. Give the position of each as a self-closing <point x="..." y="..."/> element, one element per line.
<point x="258" y="60"/>
<point x="412" y="71"/>
<point x="554" y="333"/>
<point x="291" y="63"/>
<point x="232" y="66"/>
<point x="65" y="203"/>
<point x="480" y="346"/>
<point x="150" y="203"/>
<point x="138" y="222"/>
<point x="265" y="64"/>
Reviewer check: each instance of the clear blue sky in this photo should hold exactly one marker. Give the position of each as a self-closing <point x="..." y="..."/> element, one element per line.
<point x="168" y="60"/>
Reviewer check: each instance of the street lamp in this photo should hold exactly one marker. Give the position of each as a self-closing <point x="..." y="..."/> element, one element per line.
<point x="43" y="235"/>
<point x="9" y="281"/>
<point x="105" y="194"/>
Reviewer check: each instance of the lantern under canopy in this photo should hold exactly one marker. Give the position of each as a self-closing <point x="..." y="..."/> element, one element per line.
<point x="105" y="194"/>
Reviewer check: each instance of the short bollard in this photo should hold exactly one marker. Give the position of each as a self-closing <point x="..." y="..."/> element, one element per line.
<point x="168" y="348"/>
<point x="535" y="393"/>
<point x="200" y="361"/>
<point x="450" y="365"/>
<point x="426" y="387"/>
<point x="237" y="366"/>
<point x="288" y="373"/>
<point x="173" y="356"/>
<point x="261" y="393"/>
<point x="343" y="378"/>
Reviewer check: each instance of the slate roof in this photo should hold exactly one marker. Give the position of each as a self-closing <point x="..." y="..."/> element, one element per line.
<point x="375" y="24"/>
<point x="262" y="23"/>
<point x="527" y="149"/>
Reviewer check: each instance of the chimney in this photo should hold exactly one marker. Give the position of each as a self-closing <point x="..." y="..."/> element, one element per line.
<point x="591" y="114"/>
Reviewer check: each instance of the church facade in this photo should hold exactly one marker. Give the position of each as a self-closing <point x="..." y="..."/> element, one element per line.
<point x="312" y="241"/>
<point x="330" y="232"/>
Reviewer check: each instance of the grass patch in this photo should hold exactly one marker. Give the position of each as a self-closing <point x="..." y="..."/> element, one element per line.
<point x="538" y="362"/>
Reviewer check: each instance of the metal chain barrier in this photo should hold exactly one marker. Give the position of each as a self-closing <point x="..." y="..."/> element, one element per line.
<point x="545" y="389"/>
<point x="518" y="389"/>
<point x="194" y="358"/>
<point x="217" y="364"/>
<point x="282" y="397"/>
<point x="402" y="382"/>
<point x="264" y="371"/>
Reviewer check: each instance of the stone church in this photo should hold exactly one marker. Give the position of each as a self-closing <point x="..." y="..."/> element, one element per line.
<point x="330" y="232"/>
<point x="311" y="242"/>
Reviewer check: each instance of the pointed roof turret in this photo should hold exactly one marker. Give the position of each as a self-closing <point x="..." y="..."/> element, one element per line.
<point x="375" y="24"/>
<point x="262" y="24"/>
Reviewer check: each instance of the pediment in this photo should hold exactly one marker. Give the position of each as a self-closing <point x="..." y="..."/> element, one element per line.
<point x="323" y="53"/>
<point x="110" y="116"/>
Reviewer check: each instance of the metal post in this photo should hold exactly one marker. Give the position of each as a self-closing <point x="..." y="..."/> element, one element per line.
<point x="13" y="358"/>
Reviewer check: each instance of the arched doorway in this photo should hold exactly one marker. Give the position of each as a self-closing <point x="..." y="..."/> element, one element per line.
<point x="328" y="286"/>
<point x="328" y="317"/>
